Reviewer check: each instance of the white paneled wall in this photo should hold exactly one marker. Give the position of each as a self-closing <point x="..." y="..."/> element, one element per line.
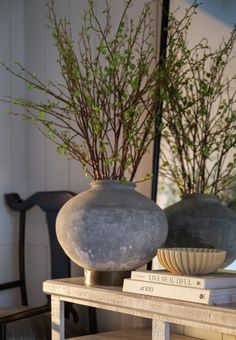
<point x="29" y="162"/>
<point x="12" y="137"/>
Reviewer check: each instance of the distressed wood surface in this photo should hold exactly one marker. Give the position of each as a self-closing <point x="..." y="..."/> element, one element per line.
<point x="160" y="330"/>
<point x="218" y="318"/>
<point x="129" y="334"/>
<point x="57" y="315"/>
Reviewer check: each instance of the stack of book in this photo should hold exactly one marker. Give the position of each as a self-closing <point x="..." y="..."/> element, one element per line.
<point x="211" y="289"/>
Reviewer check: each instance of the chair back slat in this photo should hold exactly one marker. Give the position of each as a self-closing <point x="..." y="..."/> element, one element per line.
<point x="50" y="202"/>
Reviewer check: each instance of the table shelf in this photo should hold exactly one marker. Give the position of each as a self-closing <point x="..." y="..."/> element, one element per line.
<point x="162" y="311"/>
<point x="129" y="334"/>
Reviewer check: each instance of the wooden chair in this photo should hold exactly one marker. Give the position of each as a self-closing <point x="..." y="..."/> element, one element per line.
<point x="39" y="322"/>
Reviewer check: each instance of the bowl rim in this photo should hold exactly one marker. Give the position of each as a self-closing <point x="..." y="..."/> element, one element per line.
<point x="193" y="250"/>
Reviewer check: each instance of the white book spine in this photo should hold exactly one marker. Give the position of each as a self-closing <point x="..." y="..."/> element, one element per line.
<point x="167" y="291"/>
<point x="168" y="279"/>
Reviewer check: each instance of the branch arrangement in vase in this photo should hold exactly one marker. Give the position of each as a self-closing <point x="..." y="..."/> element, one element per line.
<point x="103" y="112"/>
<point x="198" y="149"/>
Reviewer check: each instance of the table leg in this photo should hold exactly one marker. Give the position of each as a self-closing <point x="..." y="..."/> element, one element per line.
<point x="58" y="329"/>
<point x="160" y="330"/>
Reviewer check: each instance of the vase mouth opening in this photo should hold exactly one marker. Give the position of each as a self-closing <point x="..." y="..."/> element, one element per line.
<point x="200" y="196"/>
<point x="113" y="183"/>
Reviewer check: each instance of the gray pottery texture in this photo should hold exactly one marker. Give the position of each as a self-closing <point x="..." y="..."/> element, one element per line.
<point x="111" y="227"/>
<point x="201" y="221"/>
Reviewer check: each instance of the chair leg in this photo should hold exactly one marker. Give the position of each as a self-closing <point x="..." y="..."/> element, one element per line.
<point x="70" y="311"/>
<point x="3" y="331"/>
<point x="92" y="320"/>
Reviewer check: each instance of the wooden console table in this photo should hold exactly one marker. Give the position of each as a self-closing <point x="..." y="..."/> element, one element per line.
<point x="162" y="311"/>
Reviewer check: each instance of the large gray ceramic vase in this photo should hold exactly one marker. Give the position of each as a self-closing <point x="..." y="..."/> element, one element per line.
<point x="200" y="221"/>
<point x="110" y="228"/>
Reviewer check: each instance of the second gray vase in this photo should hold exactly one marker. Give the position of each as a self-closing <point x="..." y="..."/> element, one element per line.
<point x="201" y="221"/>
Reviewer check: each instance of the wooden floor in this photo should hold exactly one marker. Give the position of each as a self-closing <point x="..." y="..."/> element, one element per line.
<point x="129" y="334"/>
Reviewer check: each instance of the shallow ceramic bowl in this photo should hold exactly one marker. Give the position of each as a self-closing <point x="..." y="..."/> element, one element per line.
<point x="191" y="261"/>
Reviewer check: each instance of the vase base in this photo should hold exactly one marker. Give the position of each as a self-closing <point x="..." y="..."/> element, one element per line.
<point x="107" y="278"/>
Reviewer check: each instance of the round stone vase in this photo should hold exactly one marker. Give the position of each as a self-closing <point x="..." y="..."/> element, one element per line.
<point x="201" y="221"/>
<point x="110" y="228"/>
